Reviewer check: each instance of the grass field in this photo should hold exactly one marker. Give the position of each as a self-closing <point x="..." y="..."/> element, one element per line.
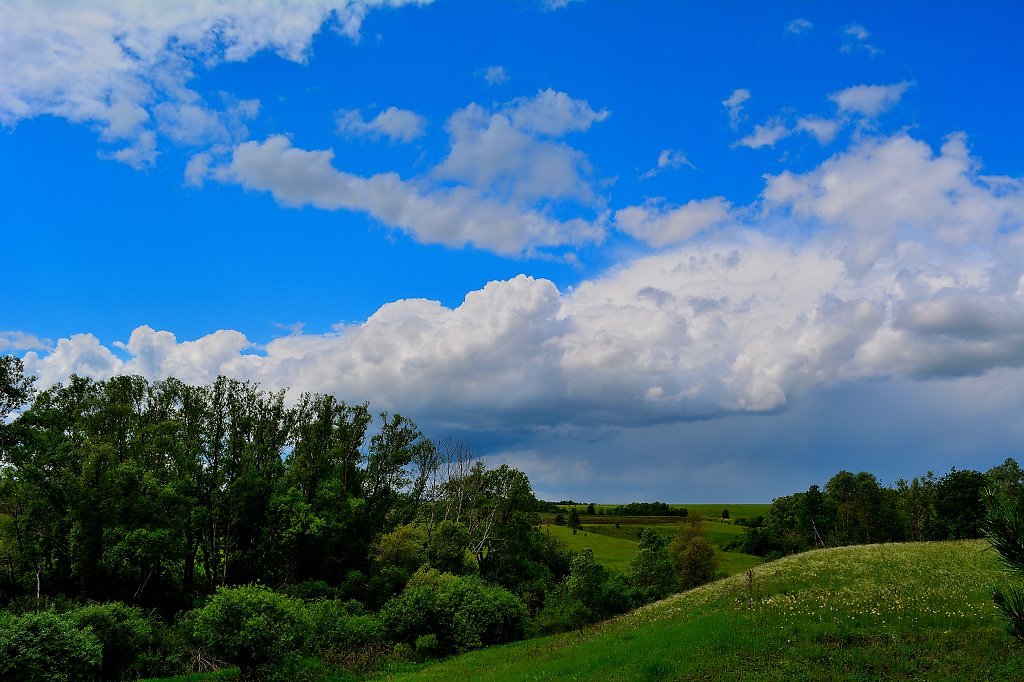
<point x="614" y="547"/>
<point x="906" y="611"/>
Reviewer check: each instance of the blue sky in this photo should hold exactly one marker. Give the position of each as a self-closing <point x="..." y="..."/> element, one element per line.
<point x="639" y="250"/>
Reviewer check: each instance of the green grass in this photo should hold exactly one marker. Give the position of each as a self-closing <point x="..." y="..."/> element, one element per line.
<point x="610" y="552"/>
<point x="909" y="611"/>
<point x="614" y="547"/>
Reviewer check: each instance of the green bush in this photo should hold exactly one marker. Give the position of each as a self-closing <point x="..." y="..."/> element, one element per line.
<point x="125" y="633"/>
<point x="463" y="611"/>
<point x="251" y="626"/>
<point x="336" y="628"/>
<point x="45" y="647"/>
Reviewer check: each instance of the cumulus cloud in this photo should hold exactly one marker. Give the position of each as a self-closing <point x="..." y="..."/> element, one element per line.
<point x="885" y="191"/>
<point x="799" y="26"/>
<point x="892" y="260"/>
<point x="124" y="68"/>
<point x="734" y="105"/>
<point x="869" y="100"/>
<point x="668" y="159"/>
<point x="659" y="225"/>
<point x="505" y="170"/>
<point x="397" y="125"/>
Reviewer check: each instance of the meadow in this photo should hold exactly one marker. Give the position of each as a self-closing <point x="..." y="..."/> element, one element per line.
<point x="895" y="611"/>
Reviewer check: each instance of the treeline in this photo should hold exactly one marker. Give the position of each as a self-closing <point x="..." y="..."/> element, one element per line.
<point x="155" y="527"/>
<point x="648" y="509"/>
<point x="858" y="509"/>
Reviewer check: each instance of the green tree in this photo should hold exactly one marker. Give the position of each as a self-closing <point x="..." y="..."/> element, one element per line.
<point x="692" y="555"/>
<point x="650" y="570"/>
<point x="574" y="520"/>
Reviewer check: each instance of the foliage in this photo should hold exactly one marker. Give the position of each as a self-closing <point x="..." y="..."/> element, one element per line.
<point x="463" y="612"/>
<point x="692" y="555"/>
<point x="338" y="628"/>
<point x="45" y="646"/>
<point x="1004" y="529"/>
<point x="127" y="635"/>
<point x="250" y="626"/>
<point x="650" y="572"/>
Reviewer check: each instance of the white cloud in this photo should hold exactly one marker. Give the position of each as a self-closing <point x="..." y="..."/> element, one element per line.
<point x="18" y="340"/>
<point x="124" y="68"/>
<point x="887" y="260"/>
<point x="513" y="152"/>
<point x="398" y="125"/>
<point x="764" y="135"/>
<point x="856" y="39"/>
<point x="496" y="189"/>
<point x="452" y="216"/>
<point x="734" y="105"/>
<point x="869" y="100"/>
<point x="494" y="75"/>
<point x="659" y="225"/>
<point x="668" y="158"/>
<point x="885" y="191"/>
<point x="823" y="129"/>
<point x="799" y="26"/>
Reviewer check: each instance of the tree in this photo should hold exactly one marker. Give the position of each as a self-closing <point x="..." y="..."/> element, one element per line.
<point x="1004" y="528"/>
<point x="692" y="555"/>
<point x="650" y="570"/>
<point x="725" y="513"/>
<point x="574" y="520"/>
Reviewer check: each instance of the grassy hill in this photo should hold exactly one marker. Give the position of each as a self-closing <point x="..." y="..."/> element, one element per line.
<point x="907" y="611"/>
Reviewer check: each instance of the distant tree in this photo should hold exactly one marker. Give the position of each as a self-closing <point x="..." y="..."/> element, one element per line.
<point x="725" y="513"/>
<point x="692" y="555"/>
<point x="560" y="520"/>
<point x="590" y="509"/>
<point x="574" y="520"/>
<point x="650" y="570"/>
<point x="959" y="506"/>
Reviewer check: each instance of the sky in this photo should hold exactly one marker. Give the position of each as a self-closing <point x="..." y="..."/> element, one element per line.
<point x="694" y="252"/>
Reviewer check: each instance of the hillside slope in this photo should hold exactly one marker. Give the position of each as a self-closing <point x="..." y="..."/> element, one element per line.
<point x="899" y="611"/>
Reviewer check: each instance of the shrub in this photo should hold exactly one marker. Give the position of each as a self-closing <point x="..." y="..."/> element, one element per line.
<point x="44" y="646"/>
<point x="250" y="626"/>
<point x="125" y="633"/>
<point x="337" y="628"/>
<point x="463" y="612"/>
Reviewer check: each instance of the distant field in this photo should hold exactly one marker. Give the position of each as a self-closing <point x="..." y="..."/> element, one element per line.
<point x="614" y="547"/>
<point x="908" y="612"/>
<point x="610" y="552"/>
<point x="714" y="509"/>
